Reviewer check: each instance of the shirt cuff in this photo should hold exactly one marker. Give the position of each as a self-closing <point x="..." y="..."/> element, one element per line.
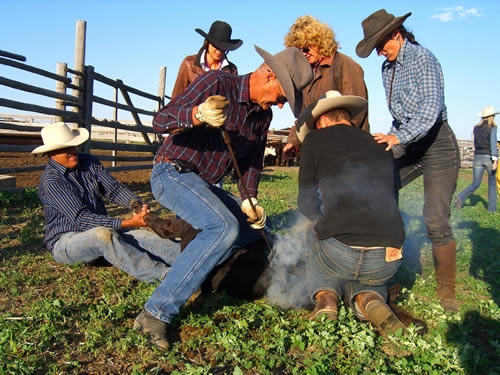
<point x="117" y="224"/>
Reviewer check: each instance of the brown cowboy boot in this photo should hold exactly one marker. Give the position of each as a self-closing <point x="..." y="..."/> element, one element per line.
<point x="372" y="306"/>
<point x="445" y="264"/>
<point x="402" y="314"/>
<point x="326" y="304"/>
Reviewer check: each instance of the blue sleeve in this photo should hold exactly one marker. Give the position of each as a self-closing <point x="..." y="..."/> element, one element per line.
<point x="493" y="143"/>
<point x="113" y="189"/>
<point x="60" y="200"/>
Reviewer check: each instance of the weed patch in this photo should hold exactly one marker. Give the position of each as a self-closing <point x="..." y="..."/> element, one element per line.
<point x="78" y="320"/>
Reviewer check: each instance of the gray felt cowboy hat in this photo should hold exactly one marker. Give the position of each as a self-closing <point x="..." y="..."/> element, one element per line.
<point x="327" y="102"/>
<point x="58" y="135"/>
<point x="292" y="70"/>
<point x="376" y="27"/>
<point x="220" y="36"/>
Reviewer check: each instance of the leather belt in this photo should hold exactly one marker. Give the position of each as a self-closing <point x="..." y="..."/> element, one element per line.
<point x="162" y="159"/>
<point x="179" y="165"/>
<point x="391" y="253"/>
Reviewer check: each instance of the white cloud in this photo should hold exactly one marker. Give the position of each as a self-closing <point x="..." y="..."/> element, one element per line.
<point x="449" y="14"/>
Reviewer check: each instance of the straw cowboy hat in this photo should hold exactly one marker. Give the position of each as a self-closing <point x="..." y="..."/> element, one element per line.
<point x="59" y="135"/>
<point x="376" y="27"/>
<point x="292" y="70"/>
<point x="328" y="102"/>
<point x="488" y="111"/>
<point x="220" y="36"/>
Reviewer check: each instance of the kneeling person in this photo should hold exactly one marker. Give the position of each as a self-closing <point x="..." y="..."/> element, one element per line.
<point x="347" y="188"/>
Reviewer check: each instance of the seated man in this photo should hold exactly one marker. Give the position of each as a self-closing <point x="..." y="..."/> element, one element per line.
<point x="78" y="228"/>
<point x="347" y="188"/>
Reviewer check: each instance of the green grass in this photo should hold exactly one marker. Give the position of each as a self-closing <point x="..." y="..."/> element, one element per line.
<point x="77" y="320"/>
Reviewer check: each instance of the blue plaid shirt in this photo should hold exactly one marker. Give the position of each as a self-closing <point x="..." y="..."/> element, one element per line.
<point x="203" y="146"/>
<point x="72" y="199"/>
<point x="417" y="99"/>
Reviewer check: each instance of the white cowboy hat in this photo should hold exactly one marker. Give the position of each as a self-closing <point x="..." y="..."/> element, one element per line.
<point x="59" y="135"/>
<point x="327" y="102"/>
<point x="488" y="111"/>
<point x="293" y="72"/>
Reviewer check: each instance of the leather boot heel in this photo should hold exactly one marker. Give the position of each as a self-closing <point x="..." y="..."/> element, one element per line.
<point x="326" y="304"/>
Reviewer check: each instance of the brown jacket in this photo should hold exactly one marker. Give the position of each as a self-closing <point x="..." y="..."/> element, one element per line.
<point x="340" y="73"/>
<point x="191" y="68"/>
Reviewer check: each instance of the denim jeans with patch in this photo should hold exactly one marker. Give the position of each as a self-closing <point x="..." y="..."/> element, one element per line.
<point x="224" y="229"/>
<point x="335" y="266"/>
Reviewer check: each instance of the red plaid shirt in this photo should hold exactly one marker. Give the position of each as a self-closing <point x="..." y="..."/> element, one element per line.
<point x="203" y="146"/>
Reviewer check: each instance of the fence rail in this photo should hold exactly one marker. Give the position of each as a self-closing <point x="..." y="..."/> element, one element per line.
<point x="20" y="132"/>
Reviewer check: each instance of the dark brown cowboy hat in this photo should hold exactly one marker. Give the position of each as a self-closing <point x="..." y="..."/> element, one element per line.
<point x="293" y="72"/>
<point x="220" y="36"/>
<point x="376" y="27"/>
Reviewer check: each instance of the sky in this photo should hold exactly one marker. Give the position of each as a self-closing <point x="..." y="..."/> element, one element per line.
<point x="132" y="40"/>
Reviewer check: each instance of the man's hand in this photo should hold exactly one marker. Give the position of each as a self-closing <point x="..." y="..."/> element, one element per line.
<point x="137" y="220"/>
<point x="494" y="165"/>
<point x="390" y="139"/>
<point x="258" y="217"/>
<point x="213" y="110"/>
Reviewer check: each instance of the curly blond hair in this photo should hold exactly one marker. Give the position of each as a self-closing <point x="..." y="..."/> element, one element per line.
<point x="308" y="31"/>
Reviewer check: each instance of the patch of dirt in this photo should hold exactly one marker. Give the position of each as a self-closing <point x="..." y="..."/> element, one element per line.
<point x="31" y="179"/>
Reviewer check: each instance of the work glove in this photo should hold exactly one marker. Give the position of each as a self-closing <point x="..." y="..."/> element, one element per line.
<point x="258" y="217"/>
<point x="213" y="110"/>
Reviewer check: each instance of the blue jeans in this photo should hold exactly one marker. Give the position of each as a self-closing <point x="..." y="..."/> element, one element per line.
<point x="140" y="253"/>
<point x="347" y="271"/>
<point x="437" y="158"/>
<point x="482" y="163"/>
<point x="224" y="229"/>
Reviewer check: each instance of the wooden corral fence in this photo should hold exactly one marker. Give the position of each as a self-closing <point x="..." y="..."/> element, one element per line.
<point x="276" y="140"/>
<point x="466" y="153"/>
<point x="75" y="98"/>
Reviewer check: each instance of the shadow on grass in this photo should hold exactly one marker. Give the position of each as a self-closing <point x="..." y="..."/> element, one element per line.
<point x="474" y="200"/>
<point x="485" y="261"/>
<point x="477" y="341"/>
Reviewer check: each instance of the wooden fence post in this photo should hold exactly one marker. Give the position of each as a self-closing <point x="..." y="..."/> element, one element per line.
<point x="61" y="89"/>
<point x="80" y="42"/>
<point x="161" y="87"/>
<point x="87" y="105"/>
<point x="115" y="133"/>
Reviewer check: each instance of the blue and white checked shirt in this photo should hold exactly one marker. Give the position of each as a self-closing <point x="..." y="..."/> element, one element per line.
<point x="417" y="99"/>
<point x="72" y="199"/>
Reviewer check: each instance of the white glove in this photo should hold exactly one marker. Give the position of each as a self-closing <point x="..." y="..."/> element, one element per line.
<point x="213" y="110"/>
<point x="258" y="217"/>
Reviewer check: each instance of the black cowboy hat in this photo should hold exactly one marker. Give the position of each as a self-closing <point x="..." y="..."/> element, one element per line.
<point x="220" y="36"/>
<point x="376" y="27"/>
